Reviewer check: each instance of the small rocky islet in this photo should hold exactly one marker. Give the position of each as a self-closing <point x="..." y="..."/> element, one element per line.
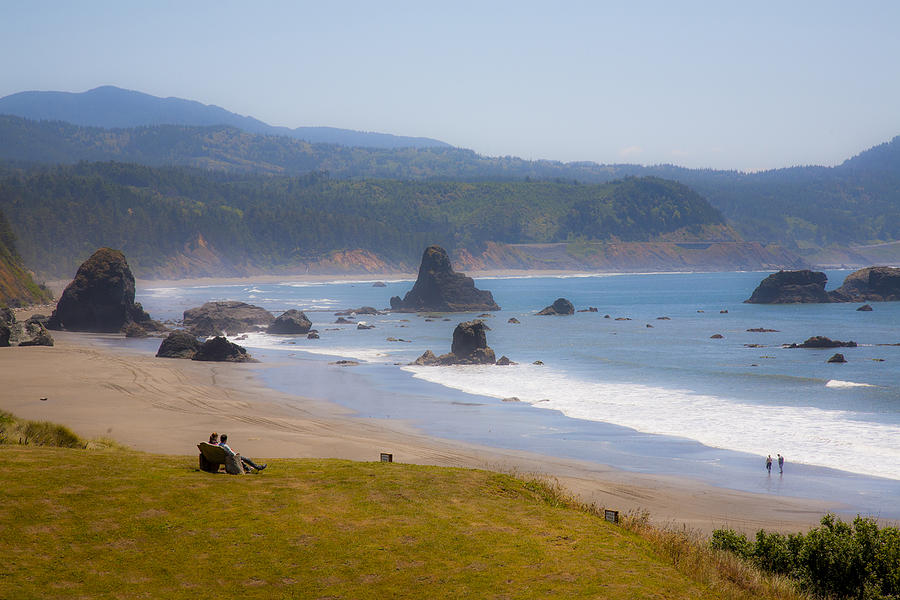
<point x="871" y="284"/>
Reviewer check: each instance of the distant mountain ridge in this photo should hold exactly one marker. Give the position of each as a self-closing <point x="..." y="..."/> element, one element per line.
<point x="847" y="215"/>
<point x="111" y="107"/>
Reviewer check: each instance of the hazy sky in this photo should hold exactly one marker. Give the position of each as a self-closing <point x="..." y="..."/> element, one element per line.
<point x="702" y="84"/>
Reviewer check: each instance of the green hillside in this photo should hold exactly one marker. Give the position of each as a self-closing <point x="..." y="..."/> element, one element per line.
<point x="324" y="529"/>
<point x="805" y="208"/>
<point x="160" y="215"/>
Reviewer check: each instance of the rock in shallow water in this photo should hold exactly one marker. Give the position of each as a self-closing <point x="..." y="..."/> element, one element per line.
<point x="290" y="322"/>
<point x="469" y="347"/>
<point x="560" y="306"/>
<point x="231" y="316"/>
<point x="218" y="349"/>
<point x="178" y="344"/>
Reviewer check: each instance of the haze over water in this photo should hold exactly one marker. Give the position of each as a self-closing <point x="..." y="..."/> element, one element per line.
<point x="640" y="394"/>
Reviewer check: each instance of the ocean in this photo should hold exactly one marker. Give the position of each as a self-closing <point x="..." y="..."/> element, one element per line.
<point x="640" y="384"/>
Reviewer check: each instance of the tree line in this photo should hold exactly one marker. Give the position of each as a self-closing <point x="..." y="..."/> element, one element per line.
<point x="64" y="212"/>
<point x="802" y="208"/>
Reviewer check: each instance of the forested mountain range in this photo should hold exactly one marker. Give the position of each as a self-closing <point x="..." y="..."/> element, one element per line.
<point x="177" y="221"/>
<point x="808" y="209"/>
<point x="112" y="107"/>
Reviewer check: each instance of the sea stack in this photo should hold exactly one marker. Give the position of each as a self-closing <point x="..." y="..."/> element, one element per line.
<point x="469" y="347"/>
<point x="439" y="288"/>
<point x="101" y="297"/>
<point x="790" y="287"/>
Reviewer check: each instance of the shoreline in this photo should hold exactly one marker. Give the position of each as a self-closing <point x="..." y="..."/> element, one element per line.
<point x="167" y="406"/>
<point x="365" y="277"/>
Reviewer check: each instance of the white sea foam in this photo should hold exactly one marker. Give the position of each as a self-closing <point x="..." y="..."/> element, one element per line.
<point x="360" y="354"/>
<point x="304" y="284"/>
<point x="161" y="292"/>
<point x="809" y="435"/>
<point x="837" y="383"/>
<point x="301" y="344"/>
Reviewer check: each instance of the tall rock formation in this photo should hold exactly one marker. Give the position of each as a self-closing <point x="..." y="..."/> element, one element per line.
<point x="439" y="288"/>
<point x="101" y="297"/>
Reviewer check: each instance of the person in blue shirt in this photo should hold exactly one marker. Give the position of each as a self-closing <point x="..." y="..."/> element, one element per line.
<point x="223" y="439"/>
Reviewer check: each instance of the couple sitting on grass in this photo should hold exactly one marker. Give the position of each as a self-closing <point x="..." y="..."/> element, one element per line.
<point x="216" y="440"/>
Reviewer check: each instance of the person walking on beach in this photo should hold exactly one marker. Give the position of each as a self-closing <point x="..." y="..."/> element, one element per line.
<point x="223" y="439"/>
<point x="769" y="464"/>
<point x="780" y="465"/>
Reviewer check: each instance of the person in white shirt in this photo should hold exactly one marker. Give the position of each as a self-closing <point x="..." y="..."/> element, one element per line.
<point x="223" y="439"/>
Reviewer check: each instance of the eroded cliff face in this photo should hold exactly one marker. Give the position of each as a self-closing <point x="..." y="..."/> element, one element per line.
<point x="201" y="259"/>
<point x="17" y="287"/>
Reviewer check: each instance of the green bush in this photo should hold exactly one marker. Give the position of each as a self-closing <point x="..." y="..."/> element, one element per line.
<point x="776" y="552"/>
<point x="834" y="560"/>
<point x="732" y="541"/>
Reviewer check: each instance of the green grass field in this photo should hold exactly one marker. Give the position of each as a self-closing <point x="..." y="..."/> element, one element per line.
<point x="113" y="523"/>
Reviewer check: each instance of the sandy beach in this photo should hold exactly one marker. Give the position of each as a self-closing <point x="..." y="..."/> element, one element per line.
<point x="167" y="406"/>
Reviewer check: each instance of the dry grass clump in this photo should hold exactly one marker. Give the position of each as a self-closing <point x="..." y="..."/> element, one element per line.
<point x="688" y="551"/>
<point x="23" y="432"/>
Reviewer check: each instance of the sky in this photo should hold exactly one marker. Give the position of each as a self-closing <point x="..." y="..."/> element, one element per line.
<point x="725" y="85"/>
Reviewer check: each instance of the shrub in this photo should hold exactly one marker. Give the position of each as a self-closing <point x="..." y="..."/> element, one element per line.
<point x="732" y="541"/>
<point x="835" y="560"/>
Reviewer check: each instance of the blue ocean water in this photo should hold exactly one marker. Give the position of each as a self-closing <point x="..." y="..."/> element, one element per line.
<point x="646" y="389"/>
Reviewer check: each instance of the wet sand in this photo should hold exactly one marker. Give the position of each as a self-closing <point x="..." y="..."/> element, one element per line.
<point x="168" y="405"/>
